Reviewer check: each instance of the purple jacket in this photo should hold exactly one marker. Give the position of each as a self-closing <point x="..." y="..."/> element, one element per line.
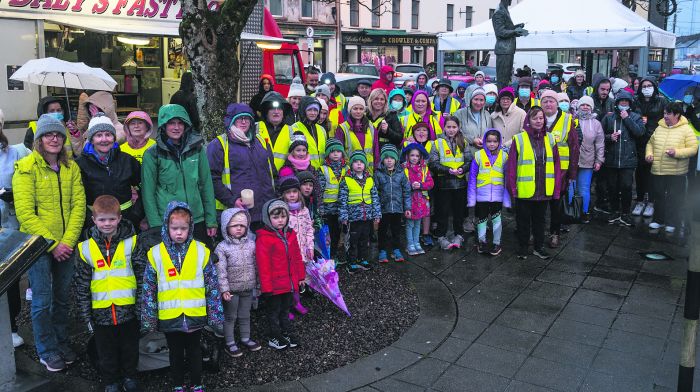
<point x="488" y="193"/>
<point x="249" y="170"/>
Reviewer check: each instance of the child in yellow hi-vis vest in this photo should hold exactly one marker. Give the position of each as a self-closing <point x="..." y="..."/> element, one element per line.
<point x="180" y="295"/>
<point x="105" y="285"/>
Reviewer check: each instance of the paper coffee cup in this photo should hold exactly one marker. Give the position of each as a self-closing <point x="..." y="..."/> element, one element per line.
<point x="247" y="197"/>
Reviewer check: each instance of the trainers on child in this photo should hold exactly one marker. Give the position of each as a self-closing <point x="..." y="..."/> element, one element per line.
<point x="495" y="250"/>
<point x="197" y="388"/>
<point x="180" y="389"/>
<point x="130" y="385"/>
<point x="444" y="243"/>
<point x="354" y="268"/>
<point x="625" y="220"/>
<point x="28" y="294"/>
<point x="638" y="208"/>
<point x="411" y="250"/>
<point x="291" y="340"/>
<point x="655" y="226"/>
<point x="670" y="229"/>
<point x="457" y="242"/>
<point x="541" y="253"/>
<point x="233" y="351"/>
<point x="277" y="342"/>
<point x="53" y="362"/>
<point x="648" y="210"/>
<point x="382" y="257"/>
<point x="251" y="345"/>
<point x="482" y="248"/>
<point x="614" y="218"/>
<point x="419" y="249"/>
<point x="69" y="356"/>
<point x="113" y="388"/>
<point x="16" y="340"/>
<point x="398" y="257"/>
<point x="427" y="240"/>
<point x="365" y="265"/>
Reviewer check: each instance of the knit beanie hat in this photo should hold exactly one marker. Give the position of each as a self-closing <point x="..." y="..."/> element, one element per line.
<point x="48" y="124"/>
<point x="333" y="144"/>
<point x="355" y="100"/>
<point x="550" y="94"/>
<point x="358" y="155"/>
<point x="323" y="89"/>
<point x="563" y="97"/>
<point x="298" y="139"/>
<point x="305" y="176"/>
<point x="525" y="81"/>
<point x="100" y="123"/>
<point x="478" y="91"/>
<point x="491" y="88"/>
<point x="389" y="150"/>
<point x="586" y="100"/>
<point x="270" y="206"/>
<point x="507" y="92"/>
<point x="480" y="73"/>
<point x="296" y="89"/>
<point x="288" y="182"/>
<point x="580" y="72"/>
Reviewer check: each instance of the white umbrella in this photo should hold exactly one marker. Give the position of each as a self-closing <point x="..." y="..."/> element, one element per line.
<point x="54" y="72"/>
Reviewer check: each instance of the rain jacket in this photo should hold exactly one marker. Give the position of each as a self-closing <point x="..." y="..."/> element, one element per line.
<point x="471" y="129"/>
<point x="256" y="101"/>
<point x="41" y="108"/>
<point x="592" y="149"/>
<point x="623" y="153"/>
<point x="382" y="82"/>
<point x="129" y="146"/>
<point x="8" y="156"/>
<point x="393" y="133"/>
<point x="300" y="221"/>
<point x="653" y="110"/>
<point x="358" y="212"/>
<point x="574" y="91"/>
<point x="488" y="193"/>
<point x="679" y="137"/>
<point x="602" y="108"/>
<point x="114" y="177"/>
<point x="187" y="98"/>
<point x="149" y="287"/>
<point x="403" y="111"/>
<point x="394" y="189"/>
<point x="49" y="203"/>
<point x="424" y="87"/>
<point x="236" y="268"/>
<point x="441" y="173"/>
<point x="104" y="101"/>
<point x="278" y="256"/>
<point x="82" y="279"/>
<point x="177" y="173"/>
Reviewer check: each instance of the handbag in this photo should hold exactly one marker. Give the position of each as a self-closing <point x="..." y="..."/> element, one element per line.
<point x="571" y="207"/>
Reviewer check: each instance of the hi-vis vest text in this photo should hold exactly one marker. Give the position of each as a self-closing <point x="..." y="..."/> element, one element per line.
<point x="357" y="194"/>
<point x="451" y="103"/>
<point x="424" y="174"/>
<point x="560" y="130"/>
<point x="66" y="143"/>
<point x="489" y="174"/>
<point x="330" y="194"/>
<point x="113" y="280"/>
<point x="352" y="143"/>
<point x="226" y="171"/>
<point x="180" y="292"/>
<point x="449" y="158"/>
<point x="407" y="122"/>
<point x="526" y="181"/>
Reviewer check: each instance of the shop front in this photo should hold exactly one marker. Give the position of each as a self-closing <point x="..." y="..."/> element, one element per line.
<point x="320" y="55"/>
<point x="382" y="47"/>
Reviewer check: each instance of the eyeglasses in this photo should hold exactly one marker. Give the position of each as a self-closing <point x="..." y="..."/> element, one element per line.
<point x="53" y="135"/>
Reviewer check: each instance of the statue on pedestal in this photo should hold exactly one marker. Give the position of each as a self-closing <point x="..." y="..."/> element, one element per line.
<point x="506" y="32"/>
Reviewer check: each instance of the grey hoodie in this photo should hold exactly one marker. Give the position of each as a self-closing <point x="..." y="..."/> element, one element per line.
<point x="237" y="271"/>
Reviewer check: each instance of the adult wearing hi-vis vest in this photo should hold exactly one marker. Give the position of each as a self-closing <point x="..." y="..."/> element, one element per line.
<point x="274" y="109"/>
<point x="357" y="132"/>
<point x="532" y="180"/>
<point x="315" y="135"/>
<point x="239" y="159"/>
<point x="561" y="126"/>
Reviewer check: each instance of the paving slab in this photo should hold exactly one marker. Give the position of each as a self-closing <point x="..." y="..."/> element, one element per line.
<point x="597" y="299"/>
<point x="509" y="339"/>
<point x="558" y="376"/>
<point x="565" y="351"/>
<point x="460" y="379"/>
<point x="492" y="360"/>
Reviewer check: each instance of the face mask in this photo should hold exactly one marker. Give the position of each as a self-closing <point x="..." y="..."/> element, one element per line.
<point x="688" y="99"/>
<point x="564" y="106"/>
<point x="623" y="108"/>
<point x="57" y="115"/>
<point x="490" y="99"/>
<point x="647" y="91"/>
<point x="396" y="105"/>
<point x="584" y="114"/>
<point x="554" y="79"/>
<point x="524" y="92"/>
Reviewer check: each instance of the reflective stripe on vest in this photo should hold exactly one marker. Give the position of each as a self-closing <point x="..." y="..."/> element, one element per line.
<point x="316" y="147"/>
<point x="352" y="143"/>
<point x="113" y="281"/>
<point x="560" y="130"/>
<point x="357" y="194"/>
<point x="424" y="174"/>
<point x="382" y="137"/>
<point x="454" y="104"/>
<point x="448" y="157"/>
<point x="489" y="174"/>
<point x="428" y="145"/>
<point x="330" y="194"/>
<point x="407" y="122"/>
<point x="180" y="292"/>
<point x="526" y="171"/>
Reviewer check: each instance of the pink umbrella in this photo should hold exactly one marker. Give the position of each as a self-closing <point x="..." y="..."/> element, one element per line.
<point x="323" y="278"/>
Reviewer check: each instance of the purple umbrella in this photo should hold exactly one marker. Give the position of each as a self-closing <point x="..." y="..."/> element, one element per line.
<point x="323" y="278"/>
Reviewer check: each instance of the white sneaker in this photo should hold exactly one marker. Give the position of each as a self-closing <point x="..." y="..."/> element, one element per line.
<point x="649" y="210"/>
<point x="670" y="229"/>
<point x="638" y="209"/>
<point x="28" y="294"/>
<point x="655" y="225"/>
<point x="17" y="340"/>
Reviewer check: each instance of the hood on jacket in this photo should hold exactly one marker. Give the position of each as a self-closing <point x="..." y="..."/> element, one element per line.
<point x="306" y="101"/>
<point x="463" y="85"/>
<point x="422" y="74"/>
<point x="385" y="70"/>
<point x="681" y="122"/>
<point x="497" y="132"/>
<point x="236" y="110"/>
<point x="429" y="109"/>
<point x="469" y="94"/>
<point x="399" y="92"/>
<point x="164" y="233"/>
<point x="140" y="116"/>
<point x="171" y="111"/>
<point x="640" y="97"/>
<point x="623" y="94"/>
<point x="44" y="102"/>
<point x="268" y="101"/>
<point x="226" y="216"/>
<point x="104" y="101"/>
<point x="270" y="206"/>
<point x="269" y="79"/>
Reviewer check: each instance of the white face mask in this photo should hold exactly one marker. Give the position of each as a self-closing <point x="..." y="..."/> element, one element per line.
<point x="647" y="91"/>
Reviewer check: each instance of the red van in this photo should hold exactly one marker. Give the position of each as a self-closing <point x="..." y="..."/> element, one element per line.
<point x="284" y="64"/>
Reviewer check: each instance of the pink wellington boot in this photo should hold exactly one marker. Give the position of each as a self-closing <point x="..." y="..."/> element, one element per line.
<point x="298" y="307"/>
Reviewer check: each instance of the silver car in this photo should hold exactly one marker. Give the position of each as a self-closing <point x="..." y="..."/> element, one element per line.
<point x="404" y="72"/>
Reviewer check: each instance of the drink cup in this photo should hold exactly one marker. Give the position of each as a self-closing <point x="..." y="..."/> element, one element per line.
<point x="247" y="197"/>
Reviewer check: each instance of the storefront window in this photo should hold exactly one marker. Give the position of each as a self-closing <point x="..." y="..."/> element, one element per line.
<point x="380" y="56"/>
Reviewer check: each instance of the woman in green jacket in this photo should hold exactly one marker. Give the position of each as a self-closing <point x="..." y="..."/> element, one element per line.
<point x="50" y="201"/>
<point x="176" y="168"/>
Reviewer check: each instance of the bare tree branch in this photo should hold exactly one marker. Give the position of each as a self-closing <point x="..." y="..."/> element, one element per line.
<point x="383" y="7"/>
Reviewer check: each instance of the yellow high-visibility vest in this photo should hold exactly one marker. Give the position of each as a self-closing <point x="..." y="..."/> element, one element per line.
<point x="358" y="194"/>
<point x="454" y="105"/>
<point x="407" y="122"/>
<point x="428" y="145"/>
<point x="334" y="120"/>
<point x="449" y="158"/>
<point x="352" y="143"/>
<point x="226" y="171"/>
<point x="533" y="101"/>
<point x="66" y="144"/>
<point x="526" y="182"/>
<point x="424" y="175"/>
<point x="137" y="153"/>
<point x="490" y="174"/>
<point x="330" y="193"/>
<point x="113" y="281"/>
<point x="316" y="149"/>
<point x="382" y="136"/>
<point x="560" y="130"/>
<point x="180" y="292"/>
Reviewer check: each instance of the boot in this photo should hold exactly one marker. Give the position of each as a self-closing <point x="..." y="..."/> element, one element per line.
<point x="298" y="307"/>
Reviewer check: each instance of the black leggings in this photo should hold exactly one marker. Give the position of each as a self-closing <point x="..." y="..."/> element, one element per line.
<point x="183" y="344"/>
<point x="359" y="240"/>
<point x="15" y="304"/>
<point x="454" y="203"/>
<point x="390" y="232"/>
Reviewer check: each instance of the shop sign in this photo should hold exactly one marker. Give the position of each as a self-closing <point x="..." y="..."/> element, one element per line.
<point x="132" y="9"/>
<point x="361" y="39"/>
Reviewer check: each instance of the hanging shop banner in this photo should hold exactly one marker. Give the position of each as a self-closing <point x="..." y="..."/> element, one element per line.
<point x="163" y="10"/>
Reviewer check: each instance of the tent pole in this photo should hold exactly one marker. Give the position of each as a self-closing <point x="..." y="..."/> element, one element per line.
<point x="644" y="59"/>
<point x="67" y="101"/>
<point x="440" y="63"/>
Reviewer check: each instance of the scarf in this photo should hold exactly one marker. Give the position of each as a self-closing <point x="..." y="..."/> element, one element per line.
<point x="300" y="164"/>
<point x="238" y="136"/>
<point x="336" y="167"/>
<point x="295" y="206"/>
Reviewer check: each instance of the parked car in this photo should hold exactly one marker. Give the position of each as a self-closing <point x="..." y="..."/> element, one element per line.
<point x="362" y="69"/>
<point x="569" y="69"/>
<point x="404" y="72"/>
<point x="348" y="81"/>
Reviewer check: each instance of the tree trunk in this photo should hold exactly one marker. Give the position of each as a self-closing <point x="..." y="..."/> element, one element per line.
<point x="623" y="64"/>
<point x="210" y="40"/>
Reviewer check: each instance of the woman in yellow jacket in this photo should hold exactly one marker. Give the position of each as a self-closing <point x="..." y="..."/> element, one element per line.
<point x="669" y="150"/>
<point x="50" y="202"/>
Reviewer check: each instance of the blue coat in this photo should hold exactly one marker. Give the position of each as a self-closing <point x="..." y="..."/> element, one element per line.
<point x="394" y="190"/>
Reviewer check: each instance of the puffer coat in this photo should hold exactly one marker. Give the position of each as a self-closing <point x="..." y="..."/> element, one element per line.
<point x="622" y="154"/>
<point x="679" y="137"/>
<point x="394" y="190"/>
<point x="236" y="267"/>
<point x="48" y="203"/>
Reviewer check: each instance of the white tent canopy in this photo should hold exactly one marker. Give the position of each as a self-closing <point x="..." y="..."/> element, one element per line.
<point x="567" y="24"/>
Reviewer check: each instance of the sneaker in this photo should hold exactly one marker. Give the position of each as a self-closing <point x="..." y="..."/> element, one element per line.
<point x="614" y="218"/>
<point x="638" y="208"/>
<point x="670" y="229"/>
<point x="364" y="264"/>
<point x="427" y="240"/>
<point x="251" y="345"/>
<point x="233" y="351"/>
<point x="113" y="388"/>
<point x="655" y="226"/>
<point x="69" y="356"/>
<point x="411" y="250"/>
<point x="586" y="218"/>
<point x="16" y="340"/>
<point x="541" y="253"/>
<point x="130" y="385"/>
<point x="53" y="363"/>
<point x="291" y="340"/>
<point x="354" y="268"/>
<point x="457" y="242"/>
<point x="468" y="226"/>
<point x="277" y="342"/>
<point x="398" y="257"/>
<point x="522" y="255"/>
<point x="602" y="209"/>
<point x="554" y="241"/>
<point x="180" y="389"/>
<point x="382" y="257"/>
<point x="444" y="243"/>
<point x="565" y="228"/>
<point x="649" y="210"/>
<point x="625" y="220"/>
<point x="495" y="250"/>
<point x="28" y="294"/>
<point x="197" y="388"/>
<point x="482" y="248"/>
<point x="419" y="249"/>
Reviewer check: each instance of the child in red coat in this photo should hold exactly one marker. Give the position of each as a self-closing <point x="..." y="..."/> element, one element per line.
<point x="281" y="269"/>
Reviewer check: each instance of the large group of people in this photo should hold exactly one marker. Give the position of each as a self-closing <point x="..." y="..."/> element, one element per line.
<point x="158" y="229"/>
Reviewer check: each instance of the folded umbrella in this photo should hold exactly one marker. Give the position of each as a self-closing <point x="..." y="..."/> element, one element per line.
<point x="322" y="277"/>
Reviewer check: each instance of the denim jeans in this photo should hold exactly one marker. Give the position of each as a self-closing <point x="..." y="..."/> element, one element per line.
<point x="583" y="183"/>
<point x="413" y="227"/>
<point x="50" y="280"/>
